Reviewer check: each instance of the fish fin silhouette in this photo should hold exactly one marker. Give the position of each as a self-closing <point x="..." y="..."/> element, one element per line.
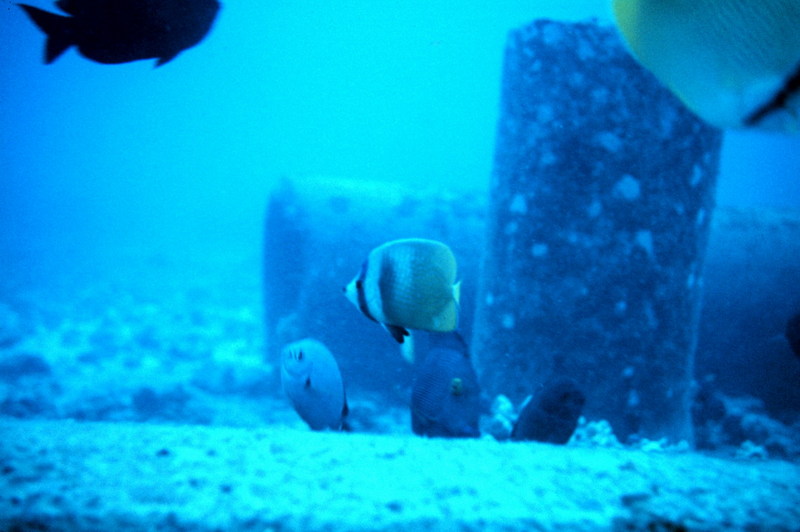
<point x="397" y="332"/>
<point x="164" y="59"/>
<point x="57" y="28"/>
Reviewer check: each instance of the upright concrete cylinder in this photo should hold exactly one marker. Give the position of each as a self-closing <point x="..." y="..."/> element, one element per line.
<point x="601" y="199"/>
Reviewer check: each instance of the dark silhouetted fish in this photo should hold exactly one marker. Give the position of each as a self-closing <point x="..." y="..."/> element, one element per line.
<point x="793" y="333"/>
<point x="311" y="379"/>
<point x="445" y="399"/>
<point x="119" y="31"/>
<point x="552" y="415"/>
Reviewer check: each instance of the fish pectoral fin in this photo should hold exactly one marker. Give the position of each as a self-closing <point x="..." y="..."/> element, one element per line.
<point x="397" y="332"/>
<point x="407" y="349"/>
<point x="164" y="59"/>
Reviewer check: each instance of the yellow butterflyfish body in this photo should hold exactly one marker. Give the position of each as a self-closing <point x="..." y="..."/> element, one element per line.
<point x="735" y="63"/>
<point x="408" y="284"/>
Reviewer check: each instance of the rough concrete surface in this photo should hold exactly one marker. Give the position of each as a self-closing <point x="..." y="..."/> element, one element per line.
<point x="601" y="196"/>
<point x="64" y="475"/>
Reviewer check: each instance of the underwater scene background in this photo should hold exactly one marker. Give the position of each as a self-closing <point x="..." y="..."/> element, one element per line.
<point x="166" y="232"/>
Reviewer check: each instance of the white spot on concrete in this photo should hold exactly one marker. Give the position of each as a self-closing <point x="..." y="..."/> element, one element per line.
<point x="489" y="299"/>
<point x="552" y="34"/>
<point x="539" y="250"/>
<point x="585" y="50"/>
<point x="508" y="321"/>
<point x="650" y="315"/>
<point x="690" y="281"/>
<point x="644" y="239"/>
<point x="697" y="176"/>
<point x="609" y="141"/>
<point x="594" y="209"/>
<point x="548" y="158"/>
<point x="544" y="113"/>
<point x="600" y="95"/>
<point x="633" y="399"/>
<point x="518" y="205"/>
<point x="701" y="217"/>
<point x="511" y="228"/>
<point x="627" y="188"/>
<point x="620" y="307"/>
<point x="667" y="121"/>
<point x="628" y="372"/>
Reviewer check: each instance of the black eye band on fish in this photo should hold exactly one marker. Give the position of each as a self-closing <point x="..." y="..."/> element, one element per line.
<point x="361" y="293"/>
<point x="790" y="89"/>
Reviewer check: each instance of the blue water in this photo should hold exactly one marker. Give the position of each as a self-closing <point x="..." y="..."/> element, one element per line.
<point x="98" y="156"/>
<point x="132" y="198"/>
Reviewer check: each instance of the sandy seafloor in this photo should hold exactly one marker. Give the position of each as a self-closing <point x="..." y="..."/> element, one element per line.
<point x="143" y="401"/>
<point x="100" y="476"/>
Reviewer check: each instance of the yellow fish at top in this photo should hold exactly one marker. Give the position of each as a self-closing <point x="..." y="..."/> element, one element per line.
<point x="735" y="63"/>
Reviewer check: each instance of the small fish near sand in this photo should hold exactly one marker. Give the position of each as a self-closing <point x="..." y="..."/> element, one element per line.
<point x="735" y="63"/>
<point x="445" y="397"/>
<point x="408" y="284"/>
<point x="311" y="379"/>
<point x="120" y="31"/>
<point x="552" y="415"/>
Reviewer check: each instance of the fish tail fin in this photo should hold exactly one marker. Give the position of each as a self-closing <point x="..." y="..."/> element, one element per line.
<point x="57" y="28"/>
<point x="457" y="293"/>
<point x="447" y="320"/>
<point x="407" y="348"/>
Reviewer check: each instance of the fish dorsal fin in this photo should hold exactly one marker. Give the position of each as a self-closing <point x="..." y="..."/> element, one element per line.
<point x="57" y="28"/>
